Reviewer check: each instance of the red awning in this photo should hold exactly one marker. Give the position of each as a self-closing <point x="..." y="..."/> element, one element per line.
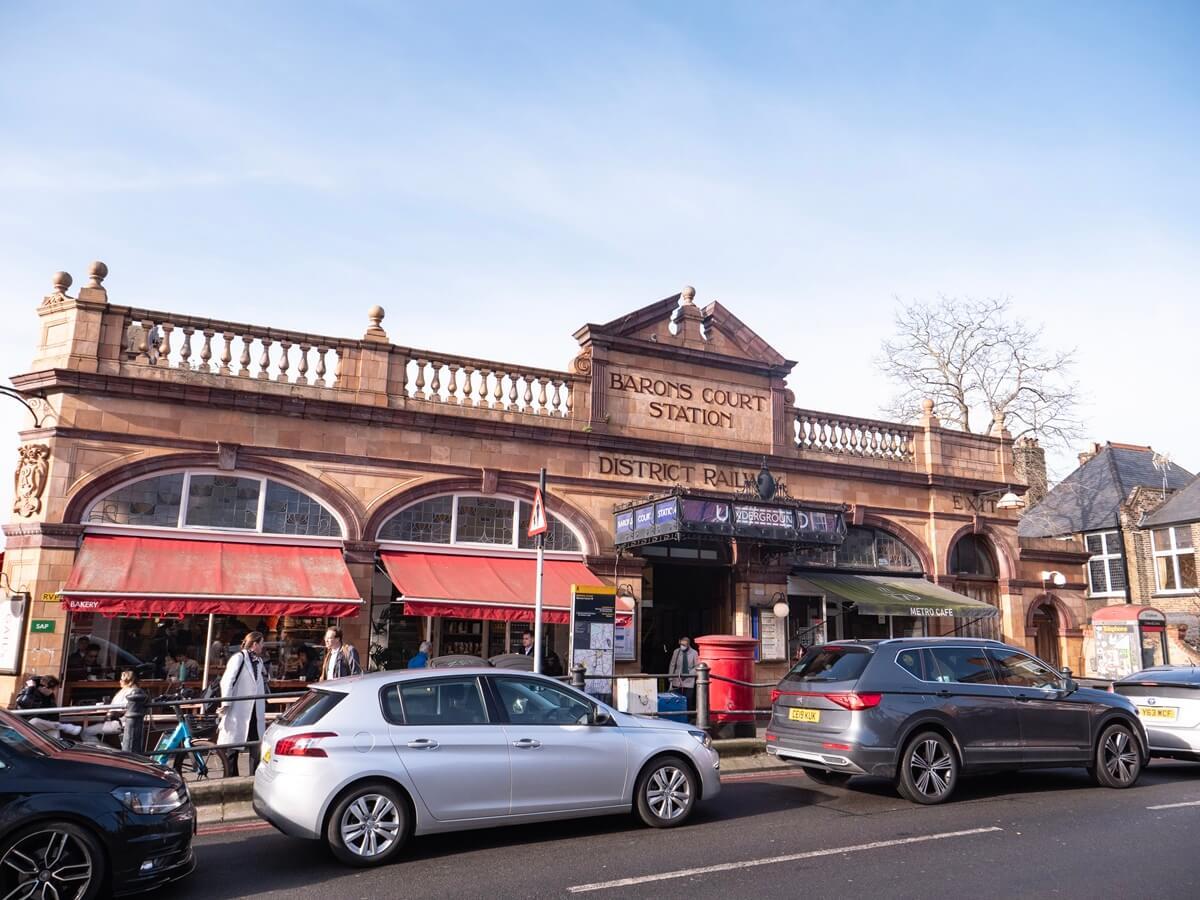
<point x="484" y="587"/>
<point x="164" y="576"/>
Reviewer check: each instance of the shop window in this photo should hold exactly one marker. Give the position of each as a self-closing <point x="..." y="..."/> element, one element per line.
<point x="484" y="520"/>
<point x="472" y="519"/>
<point x="151" y="501"/>
<point x="972" y="556"/>
<point x="1106" y="574"/>
<point x="215" y="500"/>
<point x="863" y="548"/>
<point x="1174" y="559"/>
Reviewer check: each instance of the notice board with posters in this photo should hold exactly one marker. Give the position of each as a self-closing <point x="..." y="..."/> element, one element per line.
<point x="593" y="626"/>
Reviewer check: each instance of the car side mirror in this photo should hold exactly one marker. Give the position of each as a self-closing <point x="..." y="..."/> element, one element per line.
<point x="1069" y="683"/>
<point x="602" y="717"/>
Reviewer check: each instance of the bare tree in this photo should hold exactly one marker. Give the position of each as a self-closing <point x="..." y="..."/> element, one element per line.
<point x="975" y="361"/>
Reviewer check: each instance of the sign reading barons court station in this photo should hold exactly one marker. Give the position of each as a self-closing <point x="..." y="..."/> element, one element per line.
<point x="677" y="400"/>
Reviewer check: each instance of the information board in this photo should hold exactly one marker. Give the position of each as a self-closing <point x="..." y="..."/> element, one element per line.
<point x="593" y="626"/>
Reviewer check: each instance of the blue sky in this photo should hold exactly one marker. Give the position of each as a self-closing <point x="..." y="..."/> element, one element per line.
<point x="497" y="175"/>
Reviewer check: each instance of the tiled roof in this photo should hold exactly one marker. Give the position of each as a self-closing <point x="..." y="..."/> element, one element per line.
<point x="1182" y="508"/>
<point x="1089" y="499"/>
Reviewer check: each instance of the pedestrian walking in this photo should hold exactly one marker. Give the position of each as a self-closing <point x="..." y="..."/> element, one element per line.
<point x="242" y="721"/>
<point x="114" y="722"/>
<point x="682" y="671"/>
<point x="421" y="658"/>
<point x="341" y="659"/>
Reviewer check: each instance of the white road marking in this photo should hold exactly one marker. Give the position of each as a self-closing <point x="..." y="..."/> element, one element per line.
<point x="770" y="860"/>
<point x="1175" y="805"/>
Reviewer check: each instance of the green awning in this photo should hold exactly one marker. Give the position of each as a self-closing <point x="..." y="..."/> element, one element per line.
<point x="897" y="595"/>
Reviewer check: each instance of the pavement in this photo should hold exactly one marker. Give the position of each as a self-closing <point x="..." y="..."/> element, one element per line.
<point x="775" y="833"/>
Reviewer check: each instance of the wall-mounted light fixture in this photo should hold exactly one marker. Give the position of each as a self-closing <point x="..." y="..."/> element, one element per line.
<point x="780" y="605"/>
<point x="1006" y="498"/>
<point x="1058" y="579"/>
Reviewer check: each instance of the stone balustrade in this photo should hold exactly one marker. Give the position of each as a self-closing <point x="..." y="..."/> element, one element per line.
<point x="467" y="382"/>
<point x="850" y="436"/>
<point x="167" y="340"/>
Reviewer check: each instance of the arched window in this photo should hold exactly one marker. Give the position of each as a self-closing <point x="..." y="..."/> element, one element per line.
<point x="972" y="556"/>
<point x="864" y="548"/>
<point x="217" y="501"/>
<point x="475" y="519"/>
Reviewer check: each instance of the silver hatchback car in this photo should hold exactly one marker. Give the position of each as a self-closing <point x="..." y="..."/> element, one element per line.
<point x="363" y="763"/>
<point x="1168" y="701"/>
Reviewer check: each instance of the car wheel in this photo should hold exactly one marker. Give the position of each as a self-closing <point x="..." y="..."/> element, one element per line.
<point x="928" y="769"/>
<point x="51" y="859"/>
<point x="824" y="776"/>
<point x="1118" y="762"/>
<point x="666" y="793"/>
<point x="369" y="826"/>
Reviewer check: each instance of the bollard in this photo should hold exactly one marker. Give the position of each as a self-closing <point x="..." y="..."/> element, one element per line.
<point x="134" y="736"/>
<point x="702" y="696"/>
<point x="577" y="673"/>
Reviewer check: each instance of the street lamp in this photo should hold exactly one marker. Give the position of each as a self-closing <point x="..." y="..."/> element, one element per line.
<point x="780" y="606"/>
<point x="1006" y="498"/>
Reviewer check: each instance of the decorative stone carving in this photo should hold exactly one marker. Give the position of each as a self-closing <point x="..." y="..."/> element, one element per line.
<point x="227" y="456"/>
<point x="583" y="363"/>
<point x="58" y="296"/>
<point x="30" y="479"/>
<point x="375" y="330"/>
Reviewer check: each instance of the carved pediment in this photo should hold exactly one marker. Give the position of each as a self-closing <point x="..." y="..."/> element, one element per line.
<point x="676" y="322"/>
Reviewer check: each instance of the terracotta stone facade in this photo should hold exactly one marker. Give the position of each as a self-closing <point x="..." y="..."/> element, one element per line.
<point x="673" y="393"/>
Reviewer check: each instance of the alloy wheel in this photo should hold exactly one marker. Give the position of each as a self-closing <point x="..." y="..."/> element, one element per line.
<point x="370" y="825"/>
<point x="1120" y="757"/>
<point x="931" y="767"/>
<point x="668" y="792"/>
<point x="47" y="865"/>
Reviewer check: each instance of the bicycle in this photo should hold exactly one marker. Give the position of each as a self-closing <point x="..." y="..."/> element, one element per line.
<point x="205" y="761"/>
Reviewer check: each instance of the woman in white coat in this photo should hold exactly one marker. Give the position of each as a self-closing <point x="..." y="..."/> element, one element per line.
<point x="243" y="720"/>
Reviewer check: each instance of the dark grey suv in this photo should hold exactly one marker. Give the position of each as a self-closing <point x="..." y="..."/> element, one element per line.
<point x="922" y="711"/>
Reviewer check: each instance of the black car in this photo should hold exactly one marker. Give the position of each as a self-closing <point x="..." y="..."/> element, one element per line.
<point x="80" y="821"/>
<point x="921" y="710"/>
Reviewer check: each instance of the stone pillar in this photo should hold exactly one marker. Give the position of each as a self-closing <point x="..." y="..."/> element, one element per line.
<point x="72" y="326"/>
<point x="356" y="629"/>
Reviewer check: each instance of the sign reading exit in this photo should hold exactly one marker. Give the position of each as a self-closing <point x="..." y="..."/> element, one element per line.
<point x="42" y="626"/>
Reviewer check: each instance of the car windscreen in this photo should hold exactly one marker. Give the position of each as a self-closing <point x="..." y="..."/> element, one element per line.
<point x="824" y="664"/>
<point x="310" y="708"/>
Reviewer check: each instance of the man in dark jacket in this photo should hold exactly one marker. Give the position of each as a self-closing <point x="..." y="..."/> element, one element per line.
<point x="39" y="693"/>
<point x="340" y="659"/>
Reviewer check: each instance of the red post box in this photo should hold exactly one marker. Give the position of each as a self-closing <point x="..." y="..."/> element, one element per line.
<point x="729" y="656"/>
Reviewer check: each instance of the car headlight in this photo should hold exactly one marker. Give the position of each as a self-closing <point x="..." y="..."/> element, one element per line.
<point x="149" y="800"/>
<point x="702" y="737"/>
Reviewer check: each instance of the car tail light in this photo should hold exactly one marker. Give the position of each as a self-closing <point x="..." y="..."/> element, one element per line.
<point x="854" y="701"/>
<point x="302" y="744"/>
<point x="775" y="692"/>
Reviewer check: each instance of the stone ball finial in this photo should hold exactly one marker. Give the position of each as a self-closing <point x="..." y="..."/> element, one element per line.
<point x="927" y="405"/>
<point x="62" y="281"/>
<point x="97" y="272"/>
<point x="687" y="295"/>
<point x="375" y="315"/>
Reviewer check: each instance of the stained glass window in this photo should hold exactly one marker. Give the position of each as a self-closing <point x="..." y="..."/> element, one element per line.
<point x="484" y="520"/>
<point x="287" y="511"/>
<point x="427" y="522"/>
<point x="151" y="501"/>
<point x="558" y="535"/>
<point x="223" y="501"/>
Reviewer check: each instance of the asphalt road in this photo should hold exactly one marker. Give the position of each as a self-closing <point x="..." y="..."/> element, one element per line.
<point x="1040" y="834"/>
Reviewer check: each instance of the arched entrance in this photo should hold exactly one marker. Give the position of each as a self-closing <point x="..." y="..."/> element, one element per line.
<point x="1045" y="624"/>
<point x="973" y="564"/>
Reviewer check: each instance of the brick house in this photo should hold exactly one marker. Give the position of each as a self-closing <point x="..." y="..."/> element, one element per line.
<point x="1111" y="504"/>
<point x="189" y="479"/>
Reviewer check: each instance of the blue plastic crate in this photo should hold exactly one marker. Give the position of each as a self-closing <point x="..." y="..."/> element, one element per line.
<point x="672" y="706"/>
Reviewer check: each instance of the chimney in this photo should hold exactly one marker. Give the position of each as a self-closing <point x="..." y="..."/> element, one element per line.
<point x="1090" y="452"/>
<point x="1029" y="465"/>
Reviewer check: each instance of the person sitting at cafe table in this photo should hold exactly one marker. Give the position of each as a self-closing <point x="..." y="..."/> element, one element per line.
<point x="77" y="661"/>
<point x="182" y="667"/>
<point x="92" y="669"/>
<point x="40" y="693"/>
<point x="114" y="722"/>
<point x="307" y="668"/>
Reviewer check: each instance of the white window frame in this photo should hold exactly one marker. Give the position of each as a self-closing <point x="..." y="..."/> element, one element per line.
<point x="514" y="547"/>
<point x="181" y="523"/>
<point x="1107" y="554"/>
<point x="1174" y="552"/>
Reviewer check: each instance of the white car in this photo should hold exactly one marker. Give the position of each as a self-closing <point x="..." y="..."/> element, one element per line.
<point x="1168" y="703"/>
<point x="363" y="763"/>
